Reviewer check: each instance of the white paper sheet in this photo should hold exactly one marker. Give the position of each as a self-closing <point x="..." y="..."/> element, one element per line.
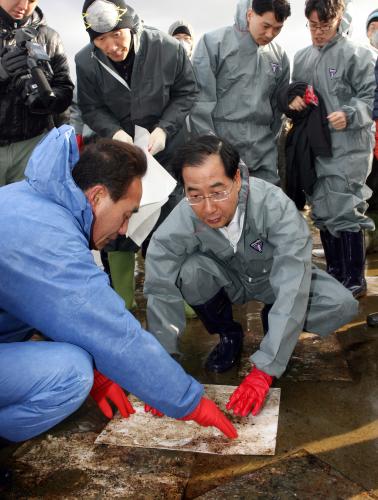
<point x="157" y="185"/>
<point x="256" y="435"/>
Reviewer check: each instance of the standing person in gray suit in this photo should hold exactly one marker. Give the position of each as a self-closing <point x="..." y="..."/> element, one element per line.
<point x="239" y="70"/>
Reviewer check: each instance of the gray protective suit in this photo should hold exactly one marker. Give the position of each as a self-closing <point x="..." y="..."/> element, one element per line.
<point x="343" y="74"/>
<point x="238" y="81"/>
<point x="272" y="264"/>
<point x="162" y="91"/>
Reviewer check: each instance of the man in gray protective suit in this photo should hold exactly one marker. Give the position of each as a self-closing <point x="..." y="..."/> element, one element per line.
<point x="342" y="72"/>
<point x="239" y="70"/>
<point x="133" y="75"/>
<point x="235" y="239"/>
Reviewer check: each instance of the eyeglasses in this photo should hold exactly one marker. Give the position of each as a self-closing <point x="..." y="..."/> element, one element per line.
<point x="326" y="28"/>
<point x="218" y="196"/>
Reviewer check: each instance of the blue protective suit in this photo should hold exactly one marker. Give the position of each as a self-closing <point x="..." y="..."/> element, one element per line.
<point x="49" y="280"/>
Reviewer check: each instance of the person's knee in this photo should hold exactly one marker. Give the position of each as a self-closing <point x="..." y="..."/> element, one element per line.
<point x="61" y="381"/>
<point x="75" y="371"/>
<point x="82" y="364"/>
<point x="331" y="305"/>
<point x="68" y="387"/>
<point x="200" y="279"/>
<point x="343" y="309"/>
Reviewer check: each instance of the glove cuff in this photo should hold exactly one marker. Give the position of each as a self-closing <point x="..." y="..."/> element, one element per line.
<point x="99" y="381"/>
<point x="259" y="373"/>
<point x="194" y="414"/>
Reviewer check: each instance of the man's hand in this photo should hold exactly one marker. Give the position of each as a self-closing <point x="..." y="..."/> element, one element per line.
<point x="338" y="120"/>
<point x="157" y="141"/>
<point x="153" y="411"/>
<point x="123" y="136"/>
<point x="103" y="390"/>
<point x="251" y="393"/>
<point x="298" y="104"/>
<point x="208" y="414"/>
<point x="12" y="62"/>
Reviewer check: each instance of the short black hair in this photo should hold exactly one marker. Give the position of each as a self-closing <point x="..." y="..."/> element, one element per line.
<point x="326" y="9"/>
<point x="112" y="163"/>
<point x="195" y="152"/>
<point x="280" y="8"/>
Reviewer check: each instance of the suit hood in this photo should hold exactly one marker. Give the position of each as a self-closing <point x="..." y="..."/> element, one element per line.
<point x="49" y="172"/>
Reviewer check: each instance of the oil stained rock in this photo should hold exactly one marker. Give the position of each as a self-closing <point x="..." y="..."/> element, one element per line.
<point x="74" y="468"/>
<point x="301" y="476"/>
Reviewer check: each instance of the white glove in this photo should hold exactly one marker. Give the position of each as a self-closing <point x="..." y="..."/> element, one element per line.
<point x="121" y="135"/>
<point x="157" y="141"/>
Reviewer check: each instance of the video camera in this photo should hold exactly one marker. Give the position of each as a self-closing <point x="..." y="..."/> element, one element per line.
<point x="35" y="84"/>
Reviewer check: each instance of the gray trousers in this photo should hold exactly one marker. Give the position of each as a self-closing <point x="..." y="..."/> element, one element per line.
<point x="339" y="199"/>
<point x="256" y="146"/>
<point x="14" y="158"/>
<point x="330" y="305"/>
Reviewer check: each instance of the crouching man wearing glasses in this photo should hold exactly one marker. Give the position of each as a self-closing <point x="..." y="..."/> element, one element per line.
<point x="231" y="240"/>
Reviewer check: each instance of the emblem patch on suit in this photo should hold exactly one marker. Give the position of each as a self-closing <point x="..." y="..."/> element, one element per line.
<point x="275" y="67"/>
<point x="332" y="72"/>
<point x="257" y="245"/>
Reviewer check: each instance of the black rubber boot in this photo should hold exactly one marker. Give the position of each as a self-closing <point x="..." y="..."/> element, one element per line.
<point x="216" y="315"/>
<point x="264" y="317"/>
<point x="5" y="472"/>
<point x="333" y="252"/>
<point x="5" y="478"/>
<point x="354" y="259"/>
<point x="372" y="320"/>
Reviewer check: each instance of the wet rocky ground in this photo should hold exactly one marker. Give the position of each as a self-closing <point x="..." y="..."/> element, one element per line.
<point x="327" y="442"/>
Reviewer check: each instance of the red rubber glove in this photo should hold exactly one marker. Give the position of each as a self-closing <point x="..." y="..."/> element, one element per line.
<point x="154" y="411"/>
<point x="251" y="393"/>
<point x="310" y="97"/>
<point x="376" y="140"/>
<point x="208" y="414"/>
<point x="80" y="142"/>
<point x="104" y="389"/>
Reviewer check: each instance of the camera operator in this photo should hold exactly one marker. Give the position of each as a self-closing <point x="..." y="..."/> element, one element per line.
<point x="26" y="111"/>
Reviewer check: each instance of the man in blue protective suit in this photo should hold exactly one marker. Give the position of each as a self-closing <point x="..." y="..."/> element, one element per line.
<point x="50" y="282"/>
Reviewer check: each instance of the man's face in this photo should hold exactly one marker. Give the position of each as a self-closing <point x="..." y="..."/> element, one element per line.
<point x="207" y="179"/>
<point x="322" y="32"/>
<point x="186" y="41"/>
<point x="263" y="28"/>
<point x="115" y="44"/>
<point x="372" y="33"/>
<point x="112" y="218"/>
<point x="18" y="9"/>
